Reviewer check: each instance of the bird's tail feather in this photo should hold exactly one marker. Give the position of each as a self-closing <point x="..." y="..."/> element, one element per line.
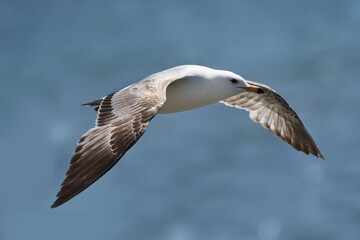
<point x="93" y="103"/>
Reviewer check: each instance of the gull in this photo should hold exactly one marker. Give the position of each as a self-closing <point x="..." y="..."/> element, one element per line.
<point x="123" y="117"/>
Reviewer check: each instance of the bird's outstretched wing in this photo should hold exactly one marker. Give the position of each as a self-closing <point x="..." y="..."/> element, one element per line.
<point x="122" y="119"/>
<point x="271" y="111"/>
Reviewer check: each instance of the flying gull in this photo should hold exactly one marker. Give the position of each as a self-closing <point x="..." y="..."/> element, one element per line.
<point x="123" y="117"/>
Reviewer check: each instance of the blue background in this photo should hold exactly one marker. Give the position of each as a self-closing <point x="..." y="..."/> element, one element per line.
<point x="209" y="173"/>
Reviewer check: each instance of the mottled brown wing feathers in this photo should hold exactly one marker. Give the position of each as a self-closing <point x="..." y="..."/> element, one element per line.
<point x="122" y="119"/>
<point x="274" y="113"/>
<point x="128" y="131"/>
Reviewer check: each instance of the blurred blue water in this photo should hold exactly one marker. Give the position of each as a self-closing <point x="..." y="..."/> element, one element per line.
<point x="209" y="173"/>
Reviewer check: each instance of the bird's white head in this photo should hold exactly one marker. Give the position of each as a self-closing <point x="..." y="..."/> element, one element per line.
<point x="231" y="82"/>
<point x="237" y="83"/>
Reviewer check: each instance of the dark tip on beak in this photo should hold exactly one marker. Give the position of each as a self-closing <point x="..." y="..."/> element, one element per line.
<point x="260" y="91"/>
<point x="253" y="89"/>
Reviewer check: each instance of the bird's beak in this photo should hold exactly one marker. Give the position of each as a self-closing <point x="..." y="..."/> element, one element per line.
<point x="253" y="89"/>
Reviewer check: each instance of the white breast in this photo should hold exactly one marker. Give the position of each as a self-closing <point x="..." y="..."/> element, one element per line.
<point x="193" y="92"/>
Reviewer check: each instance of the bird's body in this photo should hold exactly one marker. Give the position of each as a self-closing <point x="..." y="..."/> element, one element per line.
<point x="195" y="90"/>
<point x="124" y="116"/>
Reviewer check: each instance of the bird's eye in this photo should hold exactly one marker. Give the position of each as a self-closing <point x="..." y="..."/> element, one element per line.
<point x="233" y="80"/>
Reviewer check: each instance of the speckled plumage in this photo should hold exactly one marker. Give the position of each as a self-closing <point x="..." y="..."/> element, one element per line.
<point x="274" y="113"/>
<point x="123" y="117"/>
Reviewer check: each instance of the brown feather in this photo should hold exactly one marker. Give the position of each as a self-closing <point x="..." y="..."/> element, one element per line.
<point x="122" y="119"/>
<point x="274" y="113"/>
